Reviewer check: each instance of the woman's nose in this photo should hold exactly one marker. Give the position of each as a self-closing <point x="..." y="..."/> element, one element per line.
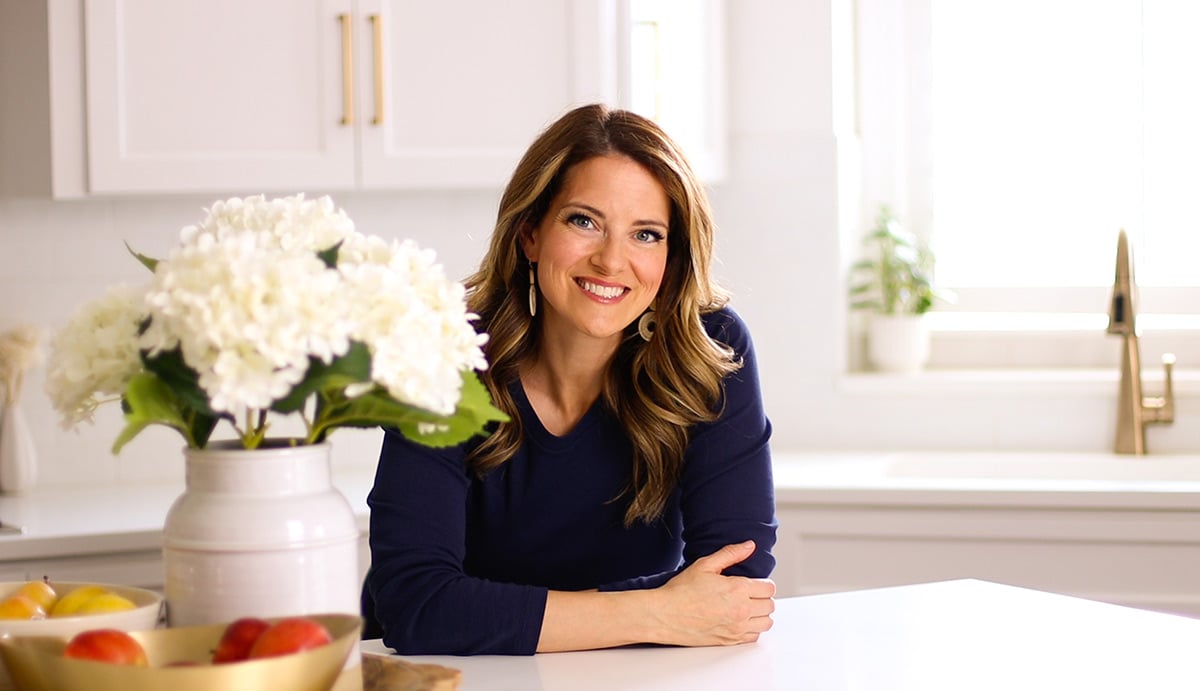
<point x="609" y="255"/>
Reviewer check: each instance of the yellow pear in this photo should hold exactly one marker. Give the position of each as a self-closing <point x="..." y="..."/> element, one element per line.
<point x="68" y="605"/>
<point x="21" y="607"/>
<point x="105" y="602"/>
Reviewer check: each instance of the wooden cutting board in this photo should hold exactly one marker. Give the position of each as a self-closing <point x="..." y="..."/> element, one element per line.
<point x="390" y="673"/>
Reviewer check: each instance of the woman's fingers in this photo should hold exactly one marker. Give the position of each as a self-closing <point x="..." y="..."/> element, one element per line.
<point x="725" y="557"/>
<point x="762" y="588"/>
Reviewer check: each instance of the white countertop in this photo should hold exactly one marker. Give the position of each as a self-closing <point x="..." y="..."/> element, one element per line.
<point x="932" y="637"/>
<point x="981" y="478"/>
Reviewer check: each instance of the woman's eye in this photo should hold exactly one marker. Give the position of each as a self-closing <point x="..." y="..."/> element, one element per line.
<point x="647" y="235"/>
<point x="580" y="221"/>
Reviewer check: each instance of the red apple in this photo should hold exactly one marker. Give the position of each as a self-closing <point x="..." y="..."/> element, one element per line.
<point x="290" y="635"/>
<point x="106" y="645"/>
<point x="238" y="638"/>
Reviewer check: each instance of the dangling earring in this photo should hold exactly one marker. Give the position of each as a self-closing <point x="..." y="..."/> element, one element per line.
<point x="646" y="325"/>
<point x="532" y="291"/>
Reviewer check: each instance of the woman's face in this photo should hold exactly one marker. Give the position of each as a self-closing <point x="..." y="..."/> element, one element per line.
<point x="601" y="249"/>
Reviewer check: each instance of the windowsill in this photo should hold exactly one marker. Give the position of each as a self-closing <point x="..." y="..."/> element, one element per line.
<point x="981" y="383"/>
<point x="1041" y="342"/>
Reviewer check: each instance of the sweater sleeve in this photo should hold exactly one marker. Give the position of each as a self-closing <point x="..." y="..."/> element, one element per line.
<point x="727" y="492"/>
<point x="420" y="594"/>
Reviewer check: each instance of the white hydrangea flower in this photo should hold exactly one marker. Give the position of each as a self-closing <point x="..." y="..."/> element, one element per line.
<point x="413" y="320"/>
<point x="250" y="303"/>
<point x="95" y="355"/>
<point x="289" y="223"/>
<point x="247" y="310"/>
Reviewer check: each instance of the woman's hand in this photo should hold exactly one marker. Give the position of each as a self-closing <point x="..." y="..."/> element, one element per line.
<point x="701" y="606"/>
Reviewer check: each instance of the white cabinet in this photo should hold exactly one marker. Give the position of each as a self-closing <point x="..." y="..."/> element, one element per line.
<point x="1146" y="558"/>
<point x="452" y="92"/>
<point x="142" y="96"/>
<point x="206" y="95"/>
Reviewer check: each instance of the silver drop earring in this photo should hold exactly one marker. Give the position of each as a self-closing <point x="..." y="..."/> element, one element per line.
<point x="647" y="324"/>
<point x="532" y="291"/>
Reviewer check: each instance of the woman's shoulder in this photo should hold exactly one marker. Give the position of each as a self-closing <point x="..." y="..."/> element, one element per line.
<point x="726" y="326"/>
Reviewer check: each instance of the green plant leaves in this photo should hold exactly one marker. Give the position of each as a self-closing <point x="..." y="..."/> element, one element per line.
<point x="149" y="400"/>
<point x="897" y="277"/>
<point x="181" y="379"/>
<point x="351" y="368"/>
<point x="375" y="408"/>
<point x="148" y="262"/>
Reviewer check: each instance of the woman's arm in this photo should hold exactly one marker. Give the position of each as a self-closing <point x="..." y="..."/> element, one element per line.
<point x="416" y="588"/>
<point x="698" y="607"/>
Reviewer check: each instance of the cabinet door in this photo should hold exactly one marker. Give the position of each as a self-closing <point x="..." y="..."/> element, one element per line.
<point x="454" y="91"/>
<point x="217" y="95"/>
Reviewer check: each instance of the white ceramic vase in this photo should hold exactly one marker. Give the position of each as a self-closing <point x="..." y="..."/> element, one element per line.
<point x="18" y="456"/>
<point x="898" y="343"/>
<point x="259" y="533"/>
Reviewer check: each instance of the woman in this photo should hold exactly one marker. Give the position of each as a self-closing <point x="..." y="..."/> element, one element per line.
<point x="629" y="499"/>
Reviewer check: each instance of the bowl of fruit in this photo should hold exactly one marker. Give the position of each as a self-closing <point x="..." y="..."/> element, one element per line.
<point x="54" y="608"/>
<point x="300" y="653"/>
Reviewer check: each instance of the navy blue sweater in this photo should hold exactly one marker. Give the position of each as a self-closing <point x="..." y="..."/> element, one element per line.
<point x="462" y="565"/>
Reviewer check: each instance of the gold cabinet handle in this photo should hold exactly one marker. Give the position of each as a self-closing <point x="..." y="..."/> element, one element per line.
<point x="377" y="37"/>
<point x="347" y="69"/>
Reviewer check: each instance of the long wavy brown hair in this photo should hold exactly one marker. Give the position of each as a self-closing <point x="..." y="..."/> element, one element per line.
<point x="657" y="389"/>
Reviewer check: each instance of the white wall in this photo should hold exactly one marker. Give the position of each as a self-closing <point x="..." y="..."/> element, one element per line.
<point x="779" y="244"/>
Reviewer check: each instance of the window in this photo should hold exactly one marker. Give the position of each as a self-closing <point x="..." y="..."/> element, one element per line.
<point x="674" y="74"/>
<point x="1019" y="137"/>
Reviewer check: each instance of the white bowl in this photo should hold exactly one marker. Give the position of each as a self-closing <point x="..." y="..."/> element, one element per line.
<point x="147" y="615"/>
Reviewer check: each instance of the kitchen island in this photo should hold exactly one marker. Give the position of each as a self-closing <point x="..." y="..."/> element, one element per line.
<point x="945" y="636"/>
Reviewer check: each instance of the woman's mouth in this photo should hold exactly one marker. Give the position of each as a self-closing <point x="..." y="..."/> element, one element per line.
<point x="604" y="292"/>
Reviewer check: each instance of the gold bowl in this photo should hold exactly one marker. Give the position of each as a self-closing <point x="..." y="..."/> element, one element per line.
<point x="147" y="614"/>
<point x="36" y="663"/>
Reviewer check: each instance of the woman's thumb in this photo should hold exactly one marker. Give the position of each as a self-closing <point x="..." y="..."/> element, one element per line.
<point x="727" y="556"/>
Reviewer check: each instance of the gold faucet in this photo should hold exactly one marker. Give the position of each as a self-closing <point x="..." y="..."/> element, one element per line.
<point x="1134" y="411"/>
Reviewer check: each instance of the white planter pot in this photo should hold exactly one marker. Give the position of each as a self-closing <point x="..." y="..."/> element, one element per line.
<point x="897" y="343"/>
<point x="259" y="533"/>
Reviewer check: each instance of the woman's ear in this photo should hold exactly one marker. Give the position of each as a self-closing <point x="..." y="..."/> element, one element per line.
<point x="528" y="240"/>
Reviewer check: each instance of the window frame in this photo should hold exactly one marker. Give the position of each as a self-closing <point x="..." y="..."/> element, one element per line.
<point x="997" y="327"/>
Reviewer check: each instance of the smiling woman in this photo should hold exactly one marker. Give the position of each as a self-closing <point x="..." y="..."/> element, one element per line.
<point x="628" y="499"/>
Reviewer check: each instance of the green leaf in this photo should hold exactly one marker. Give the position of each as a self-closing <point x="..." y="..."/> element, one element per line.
<point x="376" y="408"/>
<point x="148" y="262"/>
<point x="330" y="256"/>
<point x="353" y="367"/>
<point x="182" y="380"/>
<point x="149" y="401"/>
<point x="201" y="426"/>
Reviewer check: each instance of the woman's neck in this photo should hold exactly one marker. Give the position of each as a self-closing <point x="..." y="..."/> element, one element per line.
<point x="563" y="382"/>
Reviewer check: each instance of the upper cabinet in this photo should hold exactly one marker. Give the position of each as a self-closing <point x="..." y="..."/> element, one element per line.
<point x="139" y="97"/>
<point x="200" y="95"/>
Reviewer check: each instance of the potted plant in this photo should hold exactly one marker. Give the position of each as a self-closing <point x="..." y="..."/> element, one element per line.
<point x="271" y="309"/>
<point x="893" y="283"/>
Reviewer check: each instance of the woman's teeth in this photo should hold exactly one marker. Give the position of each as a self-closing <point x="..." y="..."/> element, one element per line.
<point x="601" y="291"/>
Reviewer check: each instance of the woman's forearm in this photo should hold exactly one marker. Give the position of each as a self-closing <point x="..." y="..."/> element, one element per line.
<point x="586" y="620"/>
<point x="700" y="606"/>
